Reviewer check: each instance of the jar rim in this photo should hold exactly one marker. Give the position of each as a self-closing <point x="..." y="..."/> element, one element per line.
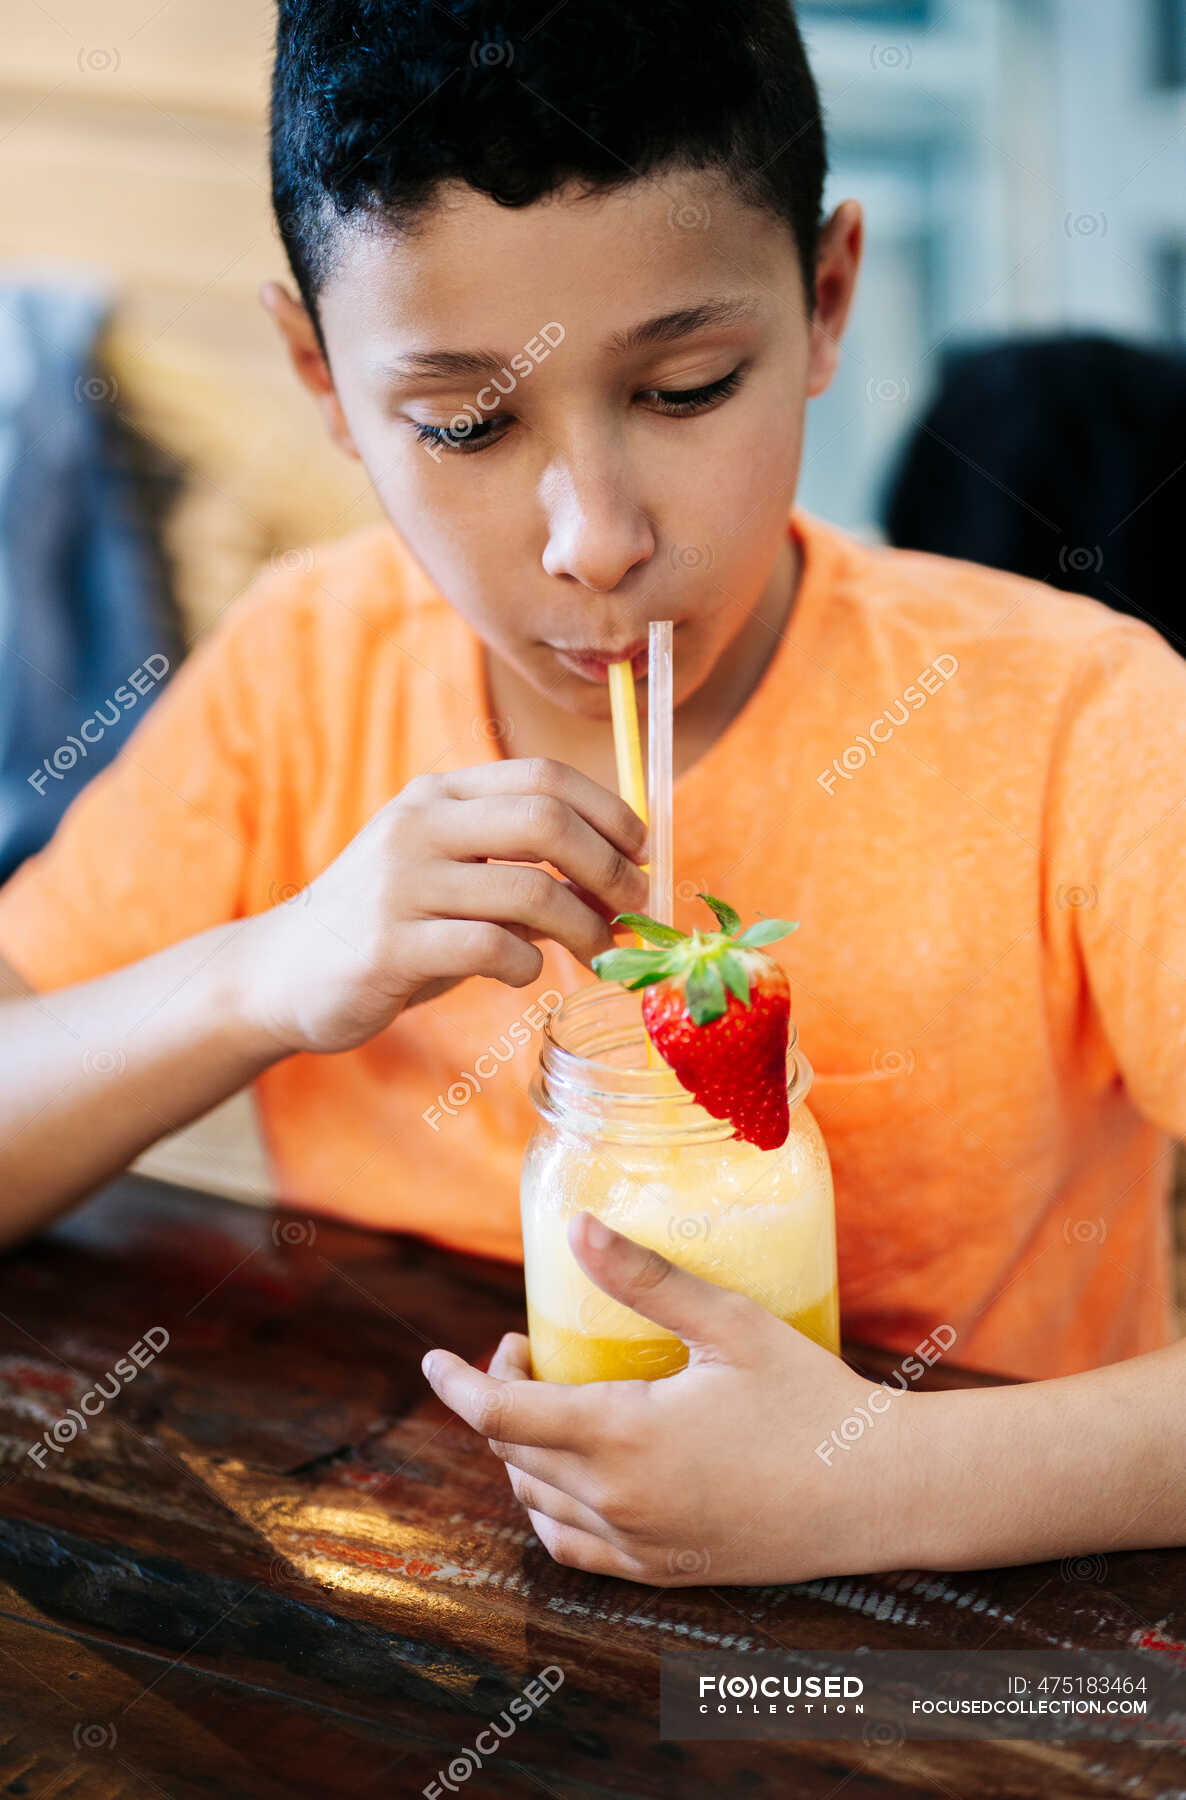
<point x="570" y="1081"/>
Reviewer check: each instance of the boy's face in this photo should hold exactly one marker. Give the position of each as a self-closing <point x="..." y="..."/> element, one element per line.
<point x="561" y="497"/>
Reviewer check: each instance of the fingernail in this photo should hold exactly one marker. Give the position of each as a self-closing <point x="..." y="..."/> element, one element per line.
<point x="597" y="1235"/>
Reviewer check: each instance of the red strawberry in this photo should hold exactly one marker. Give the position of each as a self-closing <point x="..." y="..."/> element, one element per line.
<point x="718" y="1012"/>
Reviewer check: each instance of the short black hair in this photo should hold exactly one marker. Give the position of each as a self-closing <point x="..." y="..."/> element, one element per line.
<point x="376" y="102"/>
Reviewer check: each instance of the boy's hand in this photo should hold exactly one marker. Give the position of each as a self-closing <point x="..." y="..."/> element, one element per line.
<point x="414" y="904"/>
<point x="706" y="1476"/>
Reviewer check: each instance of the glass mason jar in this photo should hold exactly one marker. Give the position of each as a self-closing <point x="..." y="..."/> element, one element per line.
<point x="628" y="1143"/>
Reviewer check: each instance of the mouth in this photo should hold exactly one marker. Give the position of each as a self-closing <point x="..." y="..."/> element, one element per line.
<point x="592" y="662"/>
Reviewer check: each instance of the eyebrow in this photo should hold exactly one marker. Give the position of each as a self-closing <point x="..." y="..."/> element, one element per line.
<point x="666" y="328"/>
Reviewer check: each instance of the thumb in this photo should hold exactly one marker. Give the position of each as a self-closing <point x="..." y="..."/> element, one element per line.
<point x="711" y="1320"/>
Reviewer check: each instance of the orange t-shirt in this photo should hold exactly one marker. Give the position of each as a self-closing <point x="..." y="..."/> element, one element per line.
<point x="970" y="790"/>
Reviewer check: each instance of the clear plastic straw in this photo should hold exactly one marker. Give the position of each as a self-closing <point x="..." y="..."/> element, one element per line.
<point x="659" y="772"/>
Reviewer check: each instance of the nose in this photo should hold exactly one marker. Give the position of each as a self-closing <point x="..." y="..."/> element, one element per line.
<point x="596" y="532"/>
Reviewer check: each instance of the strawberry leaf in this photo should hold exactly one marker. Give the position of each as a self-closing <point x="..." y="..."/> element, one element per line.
<point x="632" y="967"/>
<point x="706" y="994"/>
<point x="650" y="929"/>
<point x="736" y="976"/>
<point x="766" y="931"/>
<point x="726" y="917"/>
<point x="642" y="981"/>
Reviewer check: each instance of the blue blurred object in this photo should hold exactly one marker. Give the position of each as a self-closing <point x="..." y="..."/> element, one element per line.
<point x="88" y="629"/>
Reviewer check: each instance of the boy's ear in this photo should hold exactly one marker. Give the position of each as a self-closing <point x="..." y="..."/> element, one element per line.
<point x="840" y="244"/>
<point x="296" y="328"/>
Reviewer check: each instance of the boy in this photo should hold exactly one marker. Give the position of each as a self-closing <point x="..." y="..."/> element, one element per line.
<point x="564" y="292"/>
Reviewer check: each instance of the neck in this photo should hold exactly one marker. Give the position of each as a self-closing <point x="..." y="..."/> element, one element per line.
<point x="544" y="729"/>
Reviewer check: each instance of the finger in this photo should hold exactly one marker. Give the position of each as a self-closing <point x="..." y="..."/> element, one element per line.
<point x="512" y="1360"/>
<point x="595" y="904"/>
<point x="541" y="828"/>
<point x="539" y="1413"/>
<point x="714" y="1322"/>
<point x="577" y="1549"/>
<point x="605" y="811"/>
<point x="621" y="933"/>
<point x="449" y="950"/>
<point x="538" y="1497"/>
<point x="554" y="1468"/>
<point x="520" y="894"/>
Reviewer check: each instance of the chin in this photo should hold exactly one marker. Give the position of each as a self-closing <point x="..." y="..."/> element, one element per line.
<point x="585" y="699"/>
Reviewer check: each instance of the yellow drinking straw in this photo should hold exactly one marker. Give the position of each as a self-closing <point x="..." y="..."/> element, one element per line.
<point x="623" y="704"/>
<point x="627" y="748"/>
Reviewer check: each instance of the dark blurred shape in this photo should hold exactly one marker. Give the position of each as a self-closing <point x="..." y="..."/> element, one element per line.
<point x="1168" y="44"/>
<point x="1059" y="458"/>
<point x="88" y="628"/>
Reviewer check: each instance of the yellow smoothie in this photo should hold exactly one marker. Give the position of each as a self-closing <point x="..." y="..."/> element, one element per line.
<point x="561" y="1354"/>
<point x="760" y="1222"/>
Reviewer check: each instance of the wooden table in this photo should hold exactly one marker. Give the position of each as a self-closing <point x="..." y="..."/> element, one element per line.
<point x="274" y="1564"/>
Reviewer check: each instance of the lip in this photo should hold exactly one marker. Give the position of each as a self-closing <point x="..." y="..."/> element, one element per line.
<point x="592" y="663"/>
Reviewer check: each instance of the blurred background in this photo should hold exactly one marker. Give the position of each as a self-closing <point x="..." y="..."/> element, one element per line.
<point x="1023" y="168"/>
<point x="1012" y="387"/>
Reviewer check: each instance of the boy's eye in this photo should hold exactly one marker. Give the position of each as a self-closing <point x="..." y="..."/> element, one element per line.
<point x="691" y="400"/>
<point x="457" y="442"/>
<point x="676" y="403"/>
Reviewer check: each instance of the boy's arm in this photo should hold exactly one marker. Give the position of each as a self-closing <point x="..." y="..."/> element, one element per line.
<point x="769" y="1460"/>
<point x="91" y="1075"/>
<point x="438" y="886"/>
<point x="1085" y="1463"/>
